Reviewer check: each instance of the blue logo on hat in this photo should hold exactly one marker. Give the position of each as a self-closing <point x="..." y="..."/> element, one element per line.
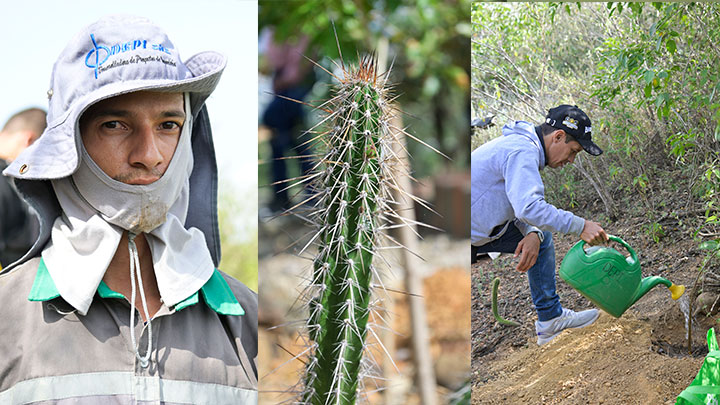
<point x="96" y="52"/>
<point x="94" y="60"/>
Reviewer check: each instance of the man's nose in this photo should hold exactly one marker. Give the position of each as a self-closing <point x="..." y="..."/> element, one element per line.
<point x="145" y="152"/>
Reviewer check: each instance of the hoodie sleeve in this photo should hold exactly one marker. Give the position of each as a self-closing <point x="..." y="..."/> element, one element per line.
<point x="526" y="192"/>
<point x="525" y="228"/>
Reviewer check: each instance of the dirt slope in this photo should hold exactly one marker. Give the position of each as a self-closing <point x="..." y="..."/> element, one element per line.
<point x="641" y="358"/>
<point x="609" y="362"/>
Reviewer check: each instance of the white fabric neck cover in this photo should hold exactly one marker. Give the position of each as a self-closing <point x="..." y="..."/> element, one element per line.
<point x="96" y="212"/>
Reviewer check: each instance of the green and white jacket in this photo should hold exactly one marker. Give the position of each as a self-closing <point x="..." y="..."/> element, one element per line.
<point x="204" y="349"/>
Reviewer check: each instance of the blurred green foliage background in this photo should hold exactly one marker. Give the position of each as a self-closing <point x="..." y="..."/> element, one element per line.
<point x="237" y="217"/>
<point x="429" y="49"/>
<point x="646" y="74"/>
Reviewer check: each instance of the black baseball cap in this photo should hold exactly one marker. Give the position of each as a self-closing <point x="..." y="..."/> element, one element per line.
<point x="575" y="122"/>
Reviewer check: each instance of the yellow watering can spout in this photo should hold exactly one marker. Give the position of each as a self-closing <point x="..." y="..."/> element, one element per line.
<point x="677" y="291"/>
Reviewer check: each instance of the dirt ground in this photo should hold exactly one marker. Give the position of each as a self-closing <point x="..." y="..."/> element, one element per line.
<point x="446" y="292"/>
<point x="449" y="345"/>
<point x="640" y="358"/>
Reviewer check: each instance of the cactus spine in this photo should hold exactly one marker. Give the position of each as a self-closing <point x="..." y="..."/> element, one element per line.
<point x="352" y="183"/>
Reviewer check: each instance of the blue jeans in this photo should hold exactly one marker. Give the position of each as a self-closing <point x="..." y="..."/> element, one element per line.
<point x="541" y="275"/>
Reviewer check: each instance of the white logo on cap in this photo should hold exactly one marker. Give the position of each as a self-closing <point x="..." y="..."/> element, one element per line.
<point x="588" y="129"/>
<point x="570" y="123"/>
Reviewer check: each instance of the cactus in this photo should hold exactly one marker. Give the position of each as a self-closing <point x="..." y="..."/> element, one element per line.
<point x="351" y="203"/>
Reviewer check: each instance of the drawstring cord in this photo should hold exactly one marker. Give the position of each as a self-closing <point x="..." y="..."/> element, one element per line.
<point x="135" y="269"/>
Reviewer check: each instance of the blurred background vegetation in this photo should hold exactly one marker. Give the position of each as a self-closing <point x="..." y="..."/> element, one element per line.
<point x="646" y="74"/>
<point x="427" y="44"/>
<point x="237" y="217"/>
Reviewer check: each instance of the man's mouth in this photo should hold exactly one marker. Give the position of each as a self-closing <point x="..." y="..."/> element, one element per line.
<point x="136" y="180"/>
<point x="139" y="177"/>
<point x="143" y="181"/>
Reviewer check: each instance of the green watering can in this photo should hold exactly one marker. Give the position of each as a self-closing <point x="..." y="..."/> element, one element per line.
<point x="609" y="279"/>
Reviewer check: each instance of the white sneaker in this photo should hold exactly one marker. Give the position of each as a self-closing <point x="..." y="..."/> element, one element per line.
<point x="547" y="330"/>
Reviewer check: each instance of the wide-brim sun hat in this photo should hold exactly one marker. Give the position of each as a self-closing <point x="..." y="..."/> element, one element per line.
<point x="116" y="55"/>
<point x="113" y="56"/>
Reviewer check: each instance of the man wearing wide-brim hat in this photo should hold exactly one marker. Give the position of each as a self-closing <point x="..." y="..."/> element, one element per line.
<point x="119" y="300"/>
<point x="510" y="214"/>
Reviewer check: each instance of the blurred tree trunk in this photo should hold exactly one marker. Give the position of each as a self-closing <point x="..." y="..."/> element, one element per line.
<point x="424" y="372"/>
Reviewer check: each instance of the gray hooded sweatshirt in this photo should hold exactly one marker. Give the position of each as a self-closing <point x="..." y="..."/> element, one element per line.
<point x="506" y="186"/>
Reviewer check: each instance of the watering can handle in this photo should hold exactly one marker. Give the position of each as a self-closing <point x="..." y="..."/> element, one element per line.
<point x="622" y="242"/>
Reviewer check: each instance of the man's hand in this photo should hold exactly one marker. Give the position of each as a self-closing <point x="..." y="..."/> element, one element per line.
<point x="593" y="233"/>
<point x="528" y="250"/>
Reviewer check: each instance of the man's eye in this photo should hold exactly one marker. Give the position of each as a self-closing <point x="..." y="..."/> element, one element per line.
<point x="111" y="124"/>
<point x="170" y="125"/>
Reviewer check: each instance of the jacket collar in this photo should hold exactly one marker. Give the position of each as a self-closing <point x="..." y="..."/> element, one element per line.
<point x="216" y="293"/>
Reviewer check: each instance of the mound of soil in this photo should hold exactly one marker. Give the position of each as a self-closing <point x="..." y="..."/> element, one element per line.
<point x="640" y="358"/>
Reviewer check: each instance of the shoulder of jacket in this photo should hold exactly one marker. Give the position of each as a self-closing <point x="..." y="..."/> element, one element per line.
<point x="521" y="145"/>
<point x="19" y="276"/>
<point x="15" y="286"/>
<point x="238" y="286"/>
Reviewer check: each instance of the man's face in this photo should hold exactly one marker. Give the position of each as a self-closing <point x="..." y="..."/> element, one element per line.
<point x="560" y="153"/>
<point x="132" y="137"/>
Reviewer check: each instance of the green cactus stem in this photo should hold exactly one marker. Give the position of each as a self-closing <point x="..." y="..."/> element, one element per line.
<point x="352" y="206"/>
<point x="352" y="195"/>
